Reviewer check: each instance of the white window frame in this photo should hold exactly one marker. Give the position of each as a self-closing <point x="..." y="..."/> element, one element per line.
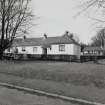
<point x="23" y="48"/>
<point x="35" y="49"/>
<point x="62" y="47"/>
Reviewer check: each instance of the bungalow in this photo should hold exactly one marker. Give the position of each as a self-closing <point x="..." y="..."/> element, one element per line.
<point x="63" y="46"/>
<point x="93" y="51"/>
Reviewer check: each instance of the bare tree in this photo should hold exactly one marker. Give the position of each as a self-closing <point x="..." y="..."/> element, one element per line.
<point x="99" y="39"/>
<point x="92" y="7"/>
<point x="83" y="45"/>
<point x="97" y="6"/>
<point x="87" y="5"/>
<point x="15" y="16"/>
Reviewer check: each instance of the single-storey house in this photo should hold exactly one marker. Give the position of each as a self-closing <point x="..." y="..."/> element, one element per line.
<point x="93" y="51"/>
<point x="63" y="45"/>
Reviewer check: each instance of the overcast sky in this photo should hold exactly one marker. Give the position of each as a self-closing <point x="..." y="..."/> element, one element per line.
<point x="57" y="16"/>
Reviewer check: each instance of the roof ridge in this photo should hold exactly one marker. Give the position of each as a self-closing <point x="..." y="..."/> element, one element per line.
<point x="50" y="40"/>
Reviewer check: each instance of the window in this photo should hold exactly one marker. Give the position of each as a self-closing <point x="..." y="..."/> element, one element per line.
<point x="23" y="49"/>
<point x="8" y="49"/>
<point x="62" y="47"/>
<point x="35" y="49"/>
<point x="16" y="50"/>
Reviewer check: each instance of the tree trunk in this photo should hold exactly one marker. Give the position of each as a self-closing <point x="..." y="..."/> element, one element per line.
<point x="1" y="54"/>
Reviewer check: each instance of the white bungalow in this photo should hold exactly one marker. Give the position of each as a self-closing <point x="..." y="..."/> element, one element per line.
<point x="93" y="51"/>
<point x="60" y="45"/>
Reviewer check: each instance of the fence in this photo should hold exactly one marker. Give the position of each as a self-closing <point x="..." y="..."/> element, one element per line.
<point x="86" y="58"/>
<point x="11" y="56"/>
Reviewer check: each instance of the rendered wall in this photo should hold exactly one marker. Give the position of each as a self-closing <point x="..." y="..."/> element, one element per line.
<point x="77" y="50"/>
<point x="55" y="50"/>
<point x="29" y="50"/>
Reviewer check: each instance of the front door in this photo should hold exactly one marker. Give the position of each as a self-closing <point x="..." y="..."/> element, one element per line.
<point x="45" y="51"/>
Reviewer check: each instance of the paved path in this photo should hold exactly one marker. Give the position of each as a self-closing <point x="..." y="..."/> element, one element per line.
<point x="15" y="97"/>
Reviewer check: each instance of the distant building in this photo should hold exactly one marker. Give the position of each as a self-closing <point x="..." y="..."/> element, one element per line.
<point x="93" y="51"/>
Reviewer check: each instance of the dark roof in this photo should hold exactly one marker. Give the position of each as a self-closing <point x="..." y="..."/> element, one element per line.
<point x="92" y="49"/>
<point x="59" y="40"/>
<point x="65" y="39"/>
<point x="27" y="42"/>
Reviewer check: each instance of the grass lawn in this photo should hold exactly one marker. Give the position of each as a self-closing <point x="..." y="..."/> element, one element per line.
<point x="81" y="80"/>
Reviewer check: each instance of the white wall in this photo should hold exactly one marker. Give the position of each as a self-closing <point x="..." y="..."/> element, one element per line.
<point x="29" y="50"/>
<point x="55" y="50"/>
<point x="70" y="49"/>
<point x="77" y="50"/>
<point x="12" y="49"/>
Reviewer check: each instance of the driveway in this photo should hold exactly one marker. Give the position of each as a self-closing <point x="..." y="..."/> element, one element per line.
<point x="15" y="97"/>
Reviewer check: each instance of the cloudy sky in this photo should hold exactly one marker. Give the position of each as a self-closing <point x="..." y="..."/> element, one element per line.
<point x="57" y="16"/>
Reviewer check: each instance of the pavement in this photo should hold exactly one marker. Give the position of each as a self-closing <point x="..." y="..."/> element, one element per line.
<point x="15" y="97"/>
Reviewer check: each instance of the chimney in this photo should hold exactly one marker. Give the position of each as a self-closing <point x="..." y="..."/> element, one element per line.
<point x="71" y="35"/>
<point x="24" y="37"/>
<point x="67" y="33"/>
<point x="45" y="36"/>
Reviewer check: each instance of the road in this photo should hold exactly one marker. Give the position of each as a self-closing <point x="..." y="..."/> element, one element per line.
<point x="16" y="97"/>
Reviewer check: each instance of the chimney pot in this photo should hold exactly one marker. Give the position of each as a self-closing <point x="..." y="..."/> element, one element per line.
<point x="67" y="32"/>
<point x="45" y="36"/>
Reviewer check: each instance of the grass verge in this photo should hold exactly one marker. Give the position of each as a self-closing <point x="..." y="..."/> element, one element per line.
<point x="61" y="88"/>
<point x="85" y="81"/>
